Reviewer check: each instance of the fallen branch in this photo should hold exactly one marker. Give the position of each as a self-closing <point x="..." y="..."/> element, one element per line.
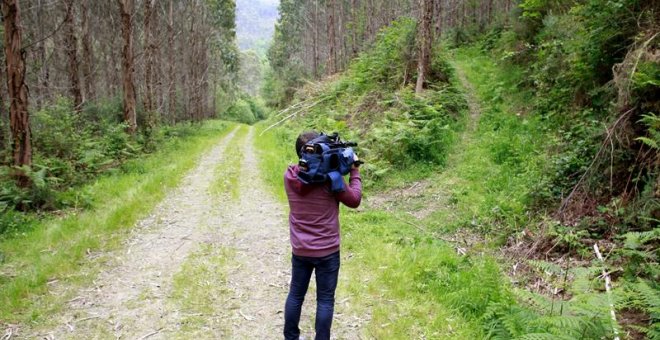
<point x="88" y="318"/>
<point x="151" y="334"/>
<point x="9" y="332"/>
<point x="566" y="200"/>
<point x="248" y="318"/>
<point x="295" y="113"/>
<point x="608" y="289"/>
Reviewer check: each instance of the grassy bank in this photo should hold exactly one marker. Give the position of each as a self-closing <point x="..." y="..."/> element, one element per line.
<point x="58" y="248"/>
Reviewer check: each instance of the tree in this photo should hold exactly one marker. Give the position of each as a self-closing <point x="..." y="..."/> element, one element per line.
<point x="18" y="93"/>
<point x="88" y="52"/>
<point x="150" y="51"/>
<point x="71" y="46"/>
<point x="130" y="116"/>
<point x="332" y="43"/>
<point x="425" y="41"/>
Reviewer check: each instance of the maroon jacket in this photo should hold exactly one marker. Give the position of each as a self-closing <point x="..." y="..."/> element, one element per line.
<point x="314" y="213"/>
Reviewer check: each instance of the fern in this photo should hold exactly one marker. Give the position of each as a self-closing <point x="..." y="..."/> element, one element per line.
<point x="547" y="267"/>
<point x="634" y="240"/>
<point x="542" y="336"/>
<point x="650" y="297"/>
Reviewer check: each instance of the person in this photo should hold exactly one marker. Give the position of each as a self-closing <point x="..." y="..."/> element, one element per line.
<point x="314" y="233"/>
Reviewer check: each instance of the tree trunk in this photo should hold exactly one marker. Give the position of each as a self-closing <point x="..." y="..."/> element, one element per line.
<point x="149" y="57"/>
<point x="354" y="19"/>
<point x="19" y="117"/>
<point x="332" y="54"/>
<point x="43" y="74"/>
<point x="126" y="8"/>
<point x="4" y="117"/>
<point x="170" y="71"/>
<point x="71" y="46"/>
<point x="438" y="18"/>
<point x="88" y="53"/>
<point x="425" y="40"/>
<point x="315" y="45"/>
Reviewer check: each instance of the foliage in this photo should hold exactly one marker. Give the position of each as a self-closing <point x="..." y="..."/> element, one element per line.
<point x="67" y="153"/>
<point x="389" y="62"/>
<point x="247" y="110"/>
<point x="594" y="84"/>
<point x="592" y="78"/>
<point x="643" y="296"/>
<point x="287" y="71"/>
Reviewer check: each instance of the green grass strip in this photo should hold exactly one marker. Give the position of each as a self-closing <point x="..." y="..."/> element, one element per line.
<point x="227" y="173"/>
<point x="57" y="248"/>
<point x="276" y="151"/>
<point x="199" y="288"/>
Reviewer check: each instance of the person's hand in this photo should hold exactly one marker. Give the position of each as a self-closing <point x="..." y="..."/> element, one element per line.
<point x="356" y="163"/>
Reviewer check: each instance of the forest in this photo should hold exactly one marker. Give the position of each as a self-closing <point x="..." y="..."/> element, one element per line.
<point x="511" y="176"/>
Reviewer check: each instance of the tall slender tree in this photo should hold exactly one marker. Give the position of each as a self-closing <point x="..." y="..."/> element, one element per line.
<point x="71" y="46"/>
<point x="149" y="47"/>
<point x="126" y="8"/>
<point x="332" y="42"/>
<point x="18" y="92"/>
<point x="424" y="42"/>
<point x="87" y="52"/>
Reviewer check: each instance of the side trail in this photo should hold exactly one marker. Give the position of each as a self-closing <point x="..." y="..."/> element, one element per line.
<point x="133" y="297"/>
<point x="426" y="196"/>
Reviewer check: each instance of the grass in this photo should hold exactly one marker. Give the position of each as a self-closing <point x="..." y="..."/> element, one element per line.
<point x="57" y="249"/>
<point x="227" y="173"/>
<point x="198" y="291"/>
<point x="276" y="151"/>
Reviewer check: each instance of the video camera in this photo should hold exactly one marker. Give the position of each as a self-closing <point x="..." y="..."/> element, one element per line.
<point x="326" y="158"/>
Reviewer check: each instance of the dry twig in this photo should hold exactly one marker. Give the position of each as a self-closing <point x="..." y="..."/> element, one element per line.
<point x="151" y="334"/>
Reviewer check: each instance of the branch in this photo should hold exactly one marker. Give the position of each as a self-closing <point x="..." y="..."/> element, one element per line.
<point x="593" y="162"/>
<point x="295" y="113"/>
<point x="608" y="289"/>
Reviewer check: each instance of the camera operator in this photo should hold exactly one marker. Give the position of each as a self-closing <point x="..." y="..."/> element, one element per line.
<point x="314" y="232"/>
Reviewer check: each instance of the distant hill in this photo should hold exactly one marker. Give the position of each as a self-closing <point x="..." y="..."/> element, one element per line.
<point x="255" y="22"/>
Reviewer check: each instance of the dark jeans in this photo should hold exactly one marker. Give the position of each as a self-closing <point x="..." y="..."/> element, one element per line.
<point x="327" y="271"/>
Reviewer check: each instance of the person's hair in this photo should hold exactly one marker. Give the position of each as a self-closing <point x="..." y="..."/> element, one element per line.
<point x="303" y="138"/>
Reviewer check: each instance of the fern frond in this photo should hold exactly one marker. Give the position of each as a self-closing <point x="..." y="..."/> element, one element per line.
<point x="649" y="295"/>
<point x="546" y="267"/>
<point x="542" y="336"/>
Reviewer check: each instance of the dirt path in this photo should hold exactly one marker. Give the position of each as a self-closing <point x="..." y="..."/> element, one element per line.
<point x="191" y="238"/>
<point x="472" y="101"/>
